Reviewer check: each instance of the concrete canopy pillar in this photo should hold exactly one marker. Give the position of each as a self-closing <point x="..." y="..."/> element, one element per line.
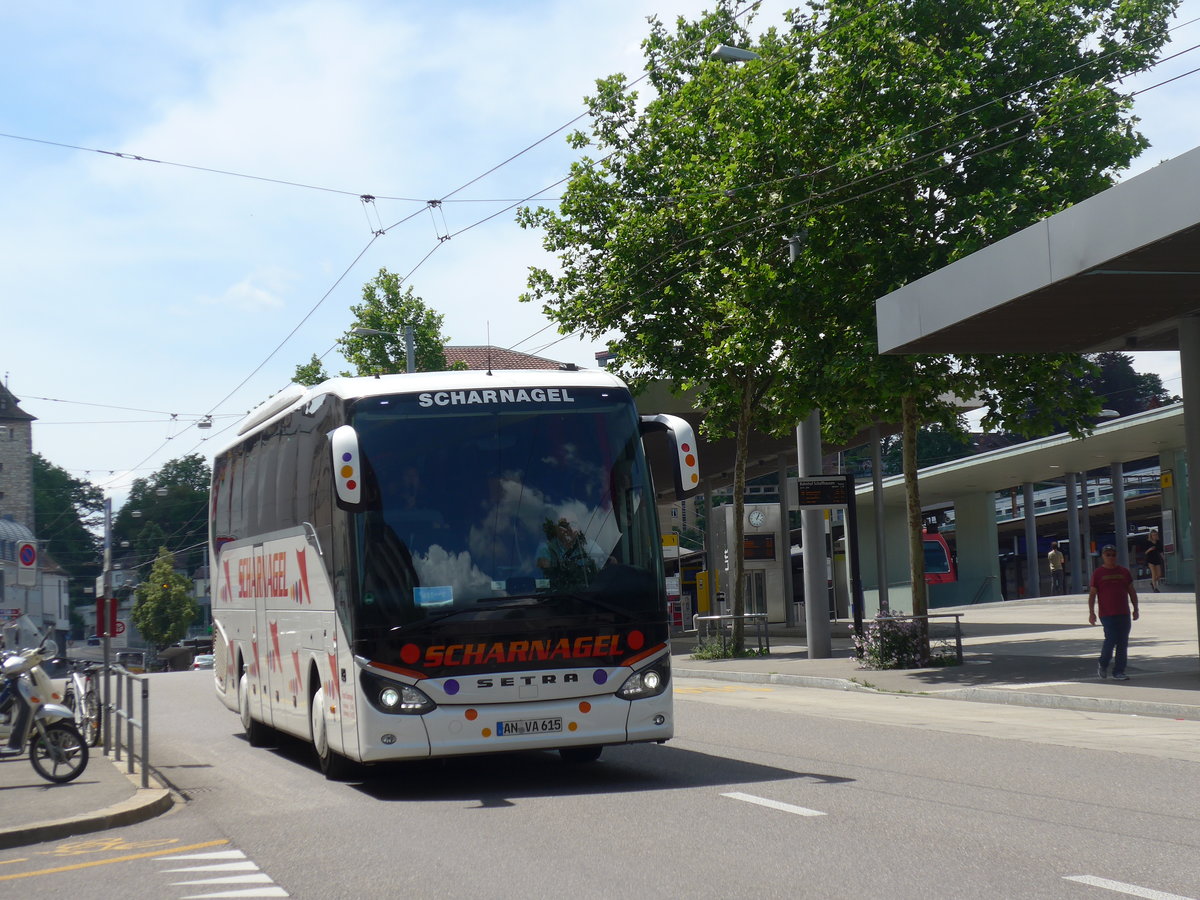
<point x="1189" y="364"/>
<point x="1074" y="546"/>
<point x="1120" y="526"/>
<point x="1033" y="583"/>
<point x="812" y="528"/>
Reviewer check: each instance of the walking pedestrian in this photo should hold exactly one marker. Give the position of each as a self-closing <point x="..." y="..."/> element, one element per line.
<point x="1154" y="559"/>
<point x="1112" y="586"/>
<point x="1055" y="558"/>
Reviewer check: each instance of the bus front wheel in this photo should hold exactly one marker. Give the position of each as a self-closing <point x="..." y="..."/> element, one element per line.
<point x="580" y="754"/>
<point x="334" y="766"/>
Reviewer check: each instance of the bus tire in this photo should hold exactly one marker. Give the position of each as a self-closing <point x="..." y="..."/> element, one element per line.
<point x="574" y="755"/>
<point x="333" y="765"/>
<point x="258" y="734"/>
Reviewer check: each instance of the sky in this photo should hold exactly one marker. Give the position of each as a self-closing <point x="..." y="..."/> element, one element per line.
<point x="137" y="296"/>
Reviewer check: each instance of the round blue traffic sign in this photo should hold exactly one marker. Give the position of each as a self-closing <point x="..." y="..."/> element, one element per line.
<point x="28" y="555"/>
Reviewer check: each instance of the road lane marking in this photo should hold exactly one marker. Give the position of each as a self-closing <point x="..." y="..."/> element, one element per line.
<point x="1121" y="888"/>
<point x="234" y="861"/>
<point x="106" y="862"/>
<point x="775" y="804"/>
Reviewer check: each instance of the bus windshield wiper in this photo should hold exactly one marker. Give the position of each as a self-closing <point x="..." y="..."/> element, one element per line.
<point x="497" y="603"/>
<point x="587" y="600"/>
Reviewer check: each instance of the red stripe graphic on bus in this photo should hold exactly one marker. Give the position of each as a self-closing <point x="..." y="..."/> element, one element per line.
<point x="302" y="592"/>
<point x="273" y="659"/>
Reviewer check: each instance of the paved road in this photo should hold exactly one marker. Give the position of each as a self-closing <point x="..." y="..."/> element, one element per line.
<point x="767" y="791"/>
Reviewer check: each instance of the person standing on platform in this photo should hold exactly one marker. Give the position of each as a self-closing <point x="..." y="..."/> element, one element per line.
<point x="1154" y="559"/>
<point x="1055" y="558"/>
<point x="1112" y="586"/>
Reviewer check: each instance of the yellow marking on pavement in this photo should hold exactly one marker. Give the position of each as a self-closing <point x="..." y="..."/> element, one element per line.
<point x="723" y="689"/>
<point x="5" y="862"/>
<point x="116" y="859"/>
<point x="101" y="845"/>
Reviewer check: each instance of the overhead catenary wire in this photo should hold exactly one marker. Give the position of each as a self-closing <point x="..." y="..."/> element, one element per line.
<point x="441" y="239"/>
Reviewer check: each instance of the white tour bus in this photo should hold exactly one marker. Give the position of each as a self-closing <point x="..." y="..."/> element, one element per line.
<point x="444" y="563"/>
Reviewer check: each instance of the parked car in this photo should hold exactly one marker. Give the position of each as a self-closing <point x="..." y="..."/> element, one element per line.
<point x="203" y="661"/>
<point x="94" y="640"/>
<point x="133" y="661"/>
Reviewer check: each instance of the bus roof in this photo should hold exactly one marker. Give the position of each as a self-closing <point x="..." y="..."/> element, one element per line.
<point x="294" y="396"/>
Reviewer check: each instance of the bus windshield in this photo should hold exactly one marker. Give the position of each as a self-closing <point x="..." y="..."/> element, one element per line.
<point x="500" y="510"/>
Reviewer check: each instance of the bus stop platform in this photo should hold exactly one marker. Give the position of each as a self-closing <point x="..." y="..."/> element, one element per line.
<point x="102" y="797"/>
<point x="1038" y="652"/>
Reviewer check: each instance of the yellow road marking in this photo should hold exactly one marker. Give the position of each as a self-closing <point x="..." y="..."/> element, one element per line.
<point x="117" y="859"/>
<point x="724" y="689"/>
<point x="5" y="862"/>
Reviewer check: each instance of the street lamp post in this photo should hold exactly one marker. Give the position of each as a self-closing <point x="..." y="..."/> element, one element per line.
<point x="409" y="348"/>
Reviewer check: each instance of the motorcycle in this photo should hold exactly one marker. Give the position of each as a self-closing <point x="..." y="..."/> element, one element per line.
<point x="57" y="750"/>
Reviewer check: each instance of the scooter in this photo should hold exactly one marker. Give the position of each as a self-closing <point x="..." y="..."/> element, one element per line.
<point x="57" y="750"/>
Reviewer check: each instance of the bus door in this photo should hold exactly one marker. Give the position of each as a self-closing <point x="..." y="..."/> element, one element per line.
<point x="267" y="629"/>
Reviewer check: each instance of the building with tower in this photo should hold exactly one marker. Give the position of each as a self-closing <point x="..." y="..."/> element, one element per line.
<point x="30" y="583"/>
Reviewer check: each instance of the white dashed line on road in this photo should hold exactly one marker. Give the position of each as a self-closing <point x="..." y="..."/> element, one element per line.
<point x="1132" y="890"/>
<point x="775" y="804"/>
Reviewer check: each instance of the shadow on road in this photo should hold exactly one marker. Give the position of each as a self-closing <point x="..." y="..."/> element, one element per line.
<point x="497" y="779"/>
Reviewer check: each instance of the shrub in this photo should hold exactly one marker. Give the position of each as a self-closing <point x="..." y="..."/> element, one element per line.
<point x="892" y="641"/>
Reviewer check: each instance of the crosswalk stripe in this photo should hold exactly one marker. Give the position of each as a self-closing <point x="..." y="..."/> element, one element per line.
<point x="219" y="867"/>
<point x="249" y="892"/>
<point x="252" y="878"/>
<point x="217" y="854"/>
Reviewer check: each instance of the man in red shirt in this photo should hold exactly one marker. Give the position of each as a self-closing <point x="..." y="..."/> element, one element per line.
<point x="1113" y="586"/>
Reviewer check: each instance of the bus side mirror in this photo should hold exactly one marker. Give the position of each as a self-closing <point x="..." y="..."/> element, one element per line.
<point x="347" y="466"/>
<point x="683" y="442"/>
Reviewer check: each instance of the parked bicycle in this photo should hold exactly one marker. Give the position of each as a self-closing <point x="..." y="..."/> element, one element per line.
<point x="83" y="699"/>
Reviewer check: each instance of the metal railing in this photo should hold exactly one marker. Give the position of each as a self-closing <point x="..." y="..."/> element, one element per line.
<point x="722" y="626"/>
<point x="126" y="717"/>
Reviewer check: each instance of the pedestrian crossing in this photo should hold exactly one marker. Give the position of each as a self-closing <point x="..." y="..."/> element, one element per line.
<point x="221" y="873"/>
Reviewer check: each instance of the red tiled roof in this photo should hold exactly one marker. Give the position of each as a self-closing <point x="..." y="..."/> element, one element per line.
<point x="497" y="358"/>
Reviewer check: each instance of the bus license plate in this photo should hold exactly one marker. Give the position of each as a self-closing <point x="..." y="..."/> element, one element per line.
<point x="529" y="726"/>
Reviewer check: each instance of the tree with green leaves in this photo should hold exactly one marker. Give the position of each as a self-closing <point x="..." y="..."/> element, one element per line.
<point x="67" y="511"/>
<point x="164" y="608"/>
<point x="1124" y="389"/>
<point x="386" y="308"/>
<point x="171" y="509"/>
<point x="736" y="228"/>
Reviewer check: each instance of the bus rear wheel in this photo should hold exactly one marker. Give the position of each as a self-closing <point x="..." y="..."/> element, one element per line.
<point x="334" y="766"/>
<point x="258" y="734"/>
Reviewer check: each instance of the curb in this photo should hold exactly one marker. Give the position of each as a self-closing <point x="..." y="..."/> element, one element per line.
<point x="145" y="804"/>
<point x="976" y="695"/>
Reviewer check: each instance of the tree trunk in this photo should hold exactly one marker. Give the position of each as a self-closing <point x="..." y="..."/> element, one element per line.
<point x="916" y="543"/>
<point x="739" y="529"/>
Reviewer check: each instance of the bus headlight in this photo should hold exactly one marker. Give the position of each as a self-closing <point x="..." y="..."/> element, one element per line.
<point x="649" y="682"/>
<point x="393" y="697"/>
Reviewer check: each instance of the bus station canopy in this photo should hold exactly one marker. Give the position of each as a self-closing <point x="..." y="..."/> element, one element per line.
<point x="1114" y="272"/>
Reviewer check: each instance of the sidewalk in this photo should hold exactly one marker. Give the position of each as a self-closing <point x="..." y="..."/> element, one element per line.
<point x="1038" y="652"/>
<point x="104" y="796"/>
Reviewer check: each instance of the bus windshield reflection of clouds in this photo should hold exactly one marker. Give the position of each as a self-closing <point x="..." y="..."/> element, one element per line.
<point x="469" y="507"/>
